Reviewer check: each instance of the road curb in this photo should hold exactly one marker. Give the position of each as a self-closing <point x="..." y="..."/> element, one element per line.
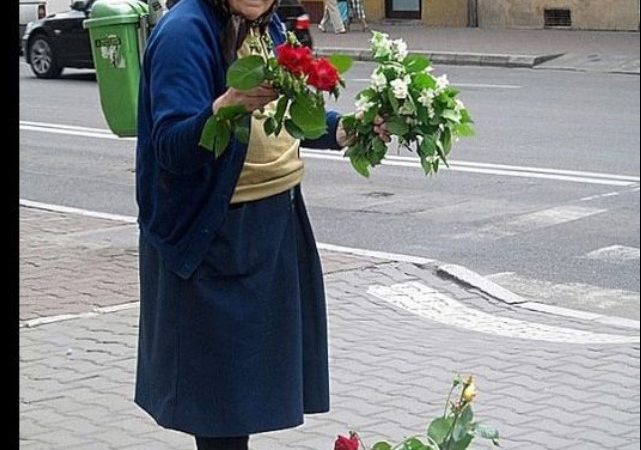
<point x="470" y="278"/>
<point x="452" y="58"/>
<point x="459" y="273"/>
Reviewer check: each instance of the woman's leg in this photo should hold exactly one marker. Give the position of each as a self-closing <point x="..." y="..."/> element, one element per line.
<point x="235" y="443"/>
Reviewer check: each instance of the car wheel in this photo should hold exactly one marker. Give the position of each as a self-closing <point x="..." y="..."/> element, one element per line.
<point x="42" y="59"/>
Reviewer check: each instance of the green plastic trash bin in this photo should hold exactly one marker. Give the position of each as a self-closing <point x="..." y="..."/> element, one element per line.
<point x="118" y="31"/>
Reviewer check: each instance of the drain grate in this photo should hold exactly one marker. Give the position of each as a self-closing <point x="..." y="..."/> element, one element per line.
<point x="557" y="18"/>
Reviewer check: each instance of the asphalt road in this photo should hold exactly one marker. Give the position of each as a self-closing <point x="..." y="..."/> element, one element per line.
<point x="560" y="225"/>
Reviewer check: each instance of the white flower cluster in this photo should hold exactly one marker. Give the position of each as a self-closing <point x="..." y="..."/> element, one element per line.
<point x="384" y="47"/>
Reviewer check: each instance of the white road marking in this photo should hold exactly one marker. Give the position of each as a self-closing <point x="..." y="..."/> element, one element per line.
<point x="77" y="211"/>
<point x="615" y="254"/>
<point x="530" y="222"/>
<point x="457" y="166"/>
<point x="579" y="296"/>
<point x="430" y="304"/>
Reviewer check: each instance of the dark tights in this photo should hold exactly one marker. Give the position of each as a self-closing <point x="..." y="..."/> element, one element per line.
<point x="235" y="443"/>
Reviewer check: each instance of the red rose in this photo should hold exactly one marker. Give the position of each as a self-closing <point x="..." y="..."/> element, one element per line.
<point x="295" y="59"/>
<point x="343" y="443"/>
<point x="323" y="75"/>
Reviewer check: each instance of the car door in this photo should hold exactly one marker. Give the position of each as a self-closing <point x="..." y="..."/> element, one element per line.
<point x="69" y="36"/>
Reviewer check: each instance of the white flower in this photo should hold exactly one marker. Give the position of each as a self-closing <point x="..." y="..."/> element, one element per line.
<point x="407" y="109"/>
<point x="427" y="97"/>
<point x="441" y="84"/>
<point x="411" y="121"/>
<point x="430" y="112"/>
<point x="381" y="45"/>
<point x="363" y="104"/>
<point x="458" y="105"/>
<point x="400" y="87"/>
<point x="429" y="69"/>
<point x="399" y="50"/>
<point x="379" y="82"/>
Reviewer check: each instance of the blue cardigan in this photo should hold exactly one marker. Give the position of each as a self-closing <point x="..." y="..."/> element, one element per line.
<point x="182" y="191"/>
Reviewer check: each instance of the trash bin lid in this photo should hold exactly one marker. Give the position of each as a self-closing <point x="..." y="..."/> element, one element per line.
<point x="114" y="12"/>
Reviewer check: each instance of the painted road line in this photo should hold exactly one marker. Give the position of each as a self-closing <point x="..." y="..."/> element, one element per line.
<point x="460" y="166"/>
<point x="530" y="222"/>
<point x="615" y="254"/>
<point x="77" y="211"/>
<point x="424" y="301"/>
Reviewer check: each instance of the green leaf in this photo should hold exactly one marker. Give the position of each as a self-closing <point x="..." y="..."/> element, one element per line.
<point x="294" y="130"/>
<point x="223" y="136"/>
<point x="231" y="112"/>
<point x="392" y="100"/>
<point x="451" y="115"/>
<point x="416" y="63"/>
<point x="467" y="416"/>
<point x="439" y="429"/>
<point x="465" y="116"/>
<point x="424" y="81"/>
<point x="397" y="126"/>
<point x="380" y="148"/>
<point x="382" y="446"/>
<point x="208" y="134"/>
<point x="447" y="141"/>
<point x="414" y="444"/>
<point x="342" y="62"/>
<point x="308" y="117"/>
<point x="426" y="165"/>
<point x="281" y="108"/>
<point x="464" y="129"/>
<point x="462" y="444"/>
<point x="428" y="146"/>
<point x="241" y="133"/>
<point x="486" y="432"/>
<point x="358" y="159"/>
<point x="246" y="73"/>
<point x="269" y="126"/>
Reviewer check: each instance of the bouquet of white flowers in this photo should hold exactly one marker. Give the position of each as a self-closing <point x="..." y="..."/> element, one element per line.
<point x="421" y="110"/>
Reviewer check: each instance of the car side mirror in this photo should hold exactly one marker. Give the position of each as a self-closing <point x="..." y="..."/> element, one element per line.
<point x="78" y="5"/>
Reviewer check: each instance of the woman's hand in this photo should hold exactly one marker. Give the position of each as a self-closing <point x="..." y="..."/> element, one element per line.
<point x="380" y="129"/>
<point x="252" y="100"/>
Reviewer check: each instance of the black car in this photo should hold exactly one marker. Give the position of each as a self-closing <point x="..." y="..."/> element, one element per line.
<point x="59" y="40"/>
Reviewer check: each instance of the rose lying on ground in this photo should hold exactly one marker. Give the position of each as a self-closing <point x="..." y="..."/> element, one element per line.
<point x="454" y="430"/>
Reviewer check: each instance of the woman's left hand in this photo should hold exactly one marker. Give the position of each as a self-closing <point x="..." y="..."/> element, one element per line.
<point x="380" y="129"/>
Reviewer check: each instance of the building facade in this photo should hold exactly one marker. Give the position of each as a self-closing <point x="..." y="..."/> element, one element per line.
<point x="571" y="14"/>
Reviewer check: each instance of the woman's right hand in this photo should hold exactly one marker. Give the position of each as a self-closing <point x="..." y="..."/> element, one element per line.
<point x="252" y="100"/>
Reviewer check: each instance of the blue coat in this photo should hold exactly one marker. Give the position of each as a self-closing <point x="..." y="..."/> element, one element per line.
<point x="232" y="336"/>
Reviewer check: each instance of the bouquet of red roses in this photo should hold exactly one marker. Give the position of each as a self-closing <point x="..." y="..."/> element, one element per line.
<point x="299" y="79"/>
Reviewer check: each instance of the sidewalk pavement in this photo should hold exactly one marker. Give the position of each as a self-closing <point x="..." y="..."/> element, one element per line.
<point x="398" y="333"/>
<point x="592" y="51"/>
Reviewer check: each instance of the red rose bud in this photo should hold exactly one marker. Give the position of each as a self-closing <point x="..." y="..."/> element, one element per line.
<point x="323" y="75"/>
<point x="295" y="59"/>
<point x="343" y="443"/>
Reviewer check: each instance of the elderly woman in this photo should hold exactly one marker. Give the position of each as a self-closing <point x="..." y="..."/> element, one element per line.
<point x="233" y="337"/>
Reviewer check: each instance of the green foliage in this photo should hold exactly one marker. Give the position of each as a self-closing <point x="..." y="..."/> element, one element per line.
<point x="246" y="73"/>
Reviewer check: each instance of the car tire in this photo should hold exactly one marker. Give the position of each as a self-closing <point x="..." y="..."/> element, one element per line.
<point x="42" y="58"/>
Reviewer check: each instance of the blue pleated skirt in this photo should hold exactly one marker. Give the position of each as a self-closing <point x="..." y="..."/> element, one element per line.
<point x="241" y="347"/>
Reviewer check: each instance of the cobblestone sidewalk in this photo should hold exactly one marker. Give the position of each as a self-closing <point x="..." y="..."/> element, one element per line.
<point x="398" y="334"/>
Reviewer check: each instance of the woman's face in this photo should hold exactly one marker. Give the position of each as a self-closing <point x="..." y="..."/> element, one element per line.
<point x="250" y="9"/>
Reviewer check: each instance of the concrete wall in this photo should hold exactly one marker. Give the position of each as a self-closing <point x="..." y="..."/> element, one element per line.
<point x="586" y="14"/>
